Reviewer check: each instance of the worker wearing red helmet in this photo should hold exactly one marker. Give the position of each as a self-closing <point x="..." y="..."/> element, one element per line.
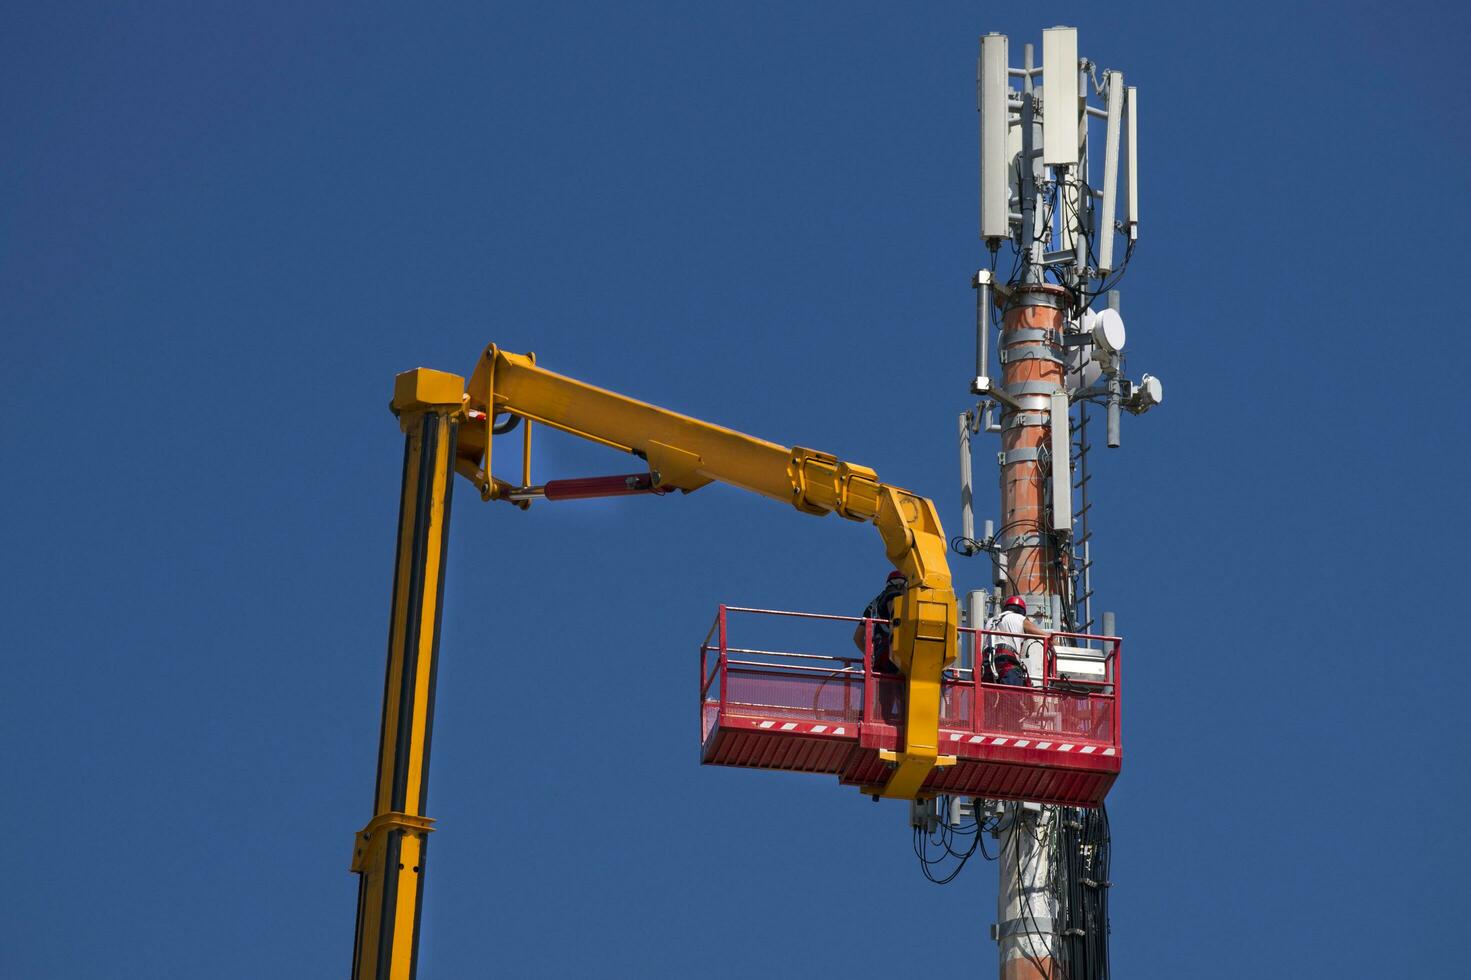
<point x="881" y="612"/>
<point x="1007" y="632"/>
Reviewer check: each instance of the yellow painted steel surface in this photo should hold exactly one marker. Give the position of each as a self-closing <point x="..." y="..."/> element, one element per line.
<point x="687" y="453"/>
<point x="389" y="852"/>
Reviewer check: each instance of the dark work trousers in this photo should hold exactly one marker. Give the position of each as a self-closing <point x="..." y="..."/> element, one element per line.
<point x="890" y="692"/>
<point x="1009" y="669"/>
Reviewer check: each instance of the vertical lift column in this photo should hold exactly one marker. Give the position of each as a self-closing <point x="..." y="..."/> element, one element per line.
<point x="389" y="852"/>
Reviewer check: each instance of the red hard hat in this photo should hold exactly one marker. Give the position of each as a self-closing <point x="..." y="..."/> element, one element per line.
<point x="896" y="574"/>
<point x="1016" y="602"/>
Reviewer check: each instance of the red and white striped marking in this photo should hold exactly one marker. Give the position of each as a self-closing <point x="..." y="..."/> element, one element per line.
<point x="850" y="730"/>
<point x="806" y="728"/>
<point x="1022" y="743"/>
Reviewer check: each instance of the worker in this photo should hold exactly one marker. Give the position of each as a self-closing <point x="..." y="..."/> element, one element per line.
<point x="881" y="612"/>
<point x="1005" y="641"/>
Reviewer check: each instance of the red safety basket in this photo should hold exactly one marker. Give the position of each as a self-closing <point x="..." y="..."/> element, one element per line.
<point x="799" y="693"/>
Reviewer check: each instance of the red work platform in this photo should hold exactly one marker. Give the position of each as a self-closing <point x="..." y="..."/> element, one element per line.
<point x="1056" y="741"/>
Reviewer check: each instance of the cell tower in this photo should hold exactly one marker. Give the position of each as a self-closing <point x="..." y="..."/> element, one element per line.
<point x="1069" y="222"/>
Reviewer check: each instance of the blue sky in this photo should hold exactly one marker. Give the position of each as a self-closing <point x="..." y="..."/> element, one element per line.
<point x="223" y="229"/>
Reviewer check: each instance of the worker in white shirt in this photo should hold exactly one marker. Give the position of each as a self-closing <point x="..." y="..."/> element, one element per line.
<point x="1004" y="650"/>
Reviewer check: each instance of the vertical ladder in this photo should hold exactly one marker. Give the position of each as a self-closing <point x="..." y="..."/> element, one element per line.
<point x="1082" y="545"/>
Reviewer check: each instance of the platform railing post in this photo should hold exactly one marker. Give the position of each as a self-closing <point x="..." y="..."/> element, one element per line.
<point x="722" y="658"/>
<point x="868" y="682"/>
<point x="1118" y="731"/>
<point x="977" y="641"/>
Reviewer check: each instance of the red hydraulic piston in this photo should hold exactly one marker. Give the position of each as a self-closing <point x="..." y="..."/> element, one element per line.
<point x="587" y="487"/>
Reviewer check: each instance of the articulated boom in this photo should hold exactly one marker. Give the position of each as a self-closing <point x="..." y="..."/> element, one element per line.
<point x="450" y="427"/>
<point x="685" y="453"/>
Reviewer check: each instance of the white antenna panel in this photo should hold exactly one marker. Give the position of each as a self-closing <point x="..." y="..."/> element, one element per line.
<point x="1131" y="158"/>
<point x="1062" y="478"/>
<point x="1104" y="233"/>
<point x="992" y="88"/>
<point x="1014" y="165"/>
<point x="1060" y="106"/>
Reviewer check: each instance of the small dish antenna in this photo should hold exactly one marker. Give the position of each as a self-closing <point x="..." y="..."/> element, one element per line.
<point x="1107" y="328"/>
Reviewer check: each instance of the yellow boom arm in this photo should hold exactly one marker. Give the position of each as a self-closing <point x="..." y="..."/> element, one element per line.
<point x="686" y="453"/>
<point x="449" y="428"/>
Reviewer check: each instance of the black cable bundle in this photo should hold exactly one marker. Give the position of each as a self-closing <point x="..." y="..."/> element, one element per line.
<point x="1082" y="886"/>
<point x="946" y="839"/>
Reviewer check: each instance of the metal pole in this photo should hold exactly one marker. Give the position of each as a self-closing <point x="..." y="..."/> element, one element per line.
<point x="1115" y="392"/>
<point x="975" y="618"/>
<point x="1030" y="166"/>
<point x="983" y="323"/>
<point x="1082" y="200"/>
<point x="967" y="513"/>
<point x="1025" y="906"/>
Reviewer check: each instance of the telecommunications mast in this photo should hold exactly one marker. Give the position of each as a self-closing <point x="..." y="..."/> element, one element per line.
<point x="1059" y="214"/>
